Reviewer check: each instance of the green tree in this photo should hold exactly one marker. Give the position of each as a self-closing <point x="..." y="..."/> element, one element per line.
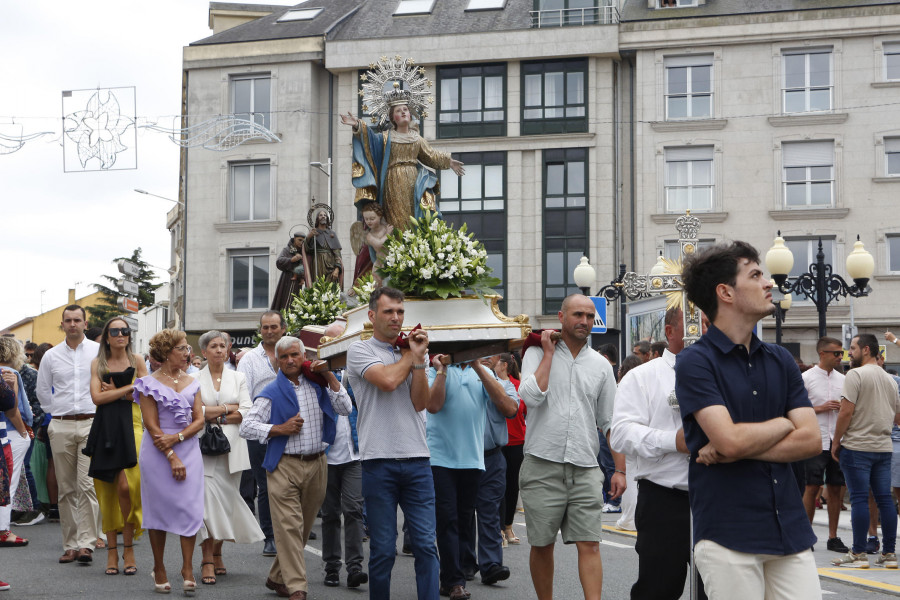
<point x="109" y="307"/>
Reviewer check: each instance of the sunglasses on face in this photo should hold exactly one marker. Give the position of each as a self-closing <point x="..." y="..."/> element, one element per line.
<point x="117" y="331"/>
<point x="835" y="353"/>
<point x="29" y="354"/>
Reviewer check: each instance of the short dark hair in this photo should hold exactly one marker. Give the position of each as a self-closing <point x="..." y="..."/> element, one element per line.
<point x="658" y="348"/>
<point x="827" y="341"/>
<point x="631" y="361"/>
<point x="610" y="352"/>
<point x="643" y="346"/>
<point x="92" y="333"/>
<point x="269" y="313"/>
<point x="30" y="346"/>
<point x="72" y="307"/>
<point x="384" y="291"/>
<point x="867" y="340"/>
<point x="708" y="268"/>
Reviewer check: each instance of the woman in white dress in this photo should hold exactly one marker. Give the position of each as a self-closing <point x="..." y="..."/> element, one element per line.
<point x="225" y="403"/>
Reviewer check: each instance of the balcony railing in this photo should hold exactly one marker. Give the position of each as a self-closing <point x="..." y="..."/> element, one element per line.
<point x="574" y="17"/>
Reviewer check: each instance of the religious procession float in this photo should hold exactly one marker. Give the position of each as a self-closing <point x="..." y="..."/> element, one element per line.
<point x="402" y="241"/>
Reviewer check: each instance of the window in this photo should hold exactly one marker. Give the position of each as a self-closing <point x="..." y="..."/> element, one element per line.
<point x="689" y="87"/>
<point x="565" y="222"/>
<point x="893" y="253"/>
<point x="554" y="97"/>
<point x="808" y="174"/>
<point x="249" y="279"/>
<point x="892" y="156"/>
<point x="306" y="14"/>
<point x="414" y="7"/>
<point x="676" y="3"/>
<point x="804" y="250"/>
<point x="892" y="61"/>
<point x="690" y="184"/>
<point x="251" y="98"/>
<point x="471" y="101"/>
<point x="478" y="199"/>
<point x="807" y="80"/>
<point x="251" y="199"/>
<point x="485" y="4"/>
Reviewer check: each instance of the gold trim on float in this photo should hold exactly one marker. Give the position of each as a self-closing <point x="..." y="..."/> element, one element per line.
<point x="495" y="308"/>
<point x="357" y="170"/>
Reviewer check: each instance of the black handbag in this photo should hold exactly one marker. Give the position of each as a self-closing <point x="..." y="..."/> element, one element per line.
<point x="213" y="442"/>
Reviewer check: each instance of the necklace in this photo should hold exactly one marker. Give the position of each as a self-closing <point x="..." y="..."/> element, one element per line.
<point x="170" y="377"/>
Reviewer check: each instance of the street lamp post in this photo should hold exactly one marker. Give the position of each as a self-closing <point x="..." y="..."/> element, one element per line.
<point x="325" y="168"/>
<point x="819" y="284"/>
<point x="616" y="291"/>
<point x="782" y="305"/>
<point x="585" y="275"/>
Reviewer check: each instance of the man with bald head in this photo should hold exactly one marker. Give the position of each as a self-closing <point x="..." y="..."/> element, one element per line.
<point x="569" y="390"/>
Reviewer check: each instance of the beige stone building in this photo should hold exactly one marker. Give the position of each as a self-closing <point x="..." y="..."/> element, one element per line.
<point x="586" y="128"/>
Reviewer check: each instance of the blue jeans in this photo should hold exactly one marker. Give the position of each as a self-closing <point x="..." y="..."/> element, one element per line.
<point x="864" y="470"/>
<point x="385" y="484"/>
<point x="491" y="489"/>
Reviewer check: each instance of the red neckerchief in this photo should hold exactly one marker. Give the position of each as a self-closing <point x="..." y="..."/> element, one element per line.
<point x="403" y="339"/>
<point x="533" y="339"/>
<point x="307" y="372"/>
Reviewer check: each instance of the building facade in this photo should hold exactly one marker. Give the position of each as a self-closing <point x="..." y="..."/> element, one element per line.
<point x="586" y="129"/>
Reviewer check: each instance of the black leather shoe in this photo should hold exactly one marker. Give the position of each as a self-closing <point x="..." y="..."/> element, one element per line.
<point x="313" y="536"/>
<point x="357" y="578"/>
<point x="332" y="579"/>
<point x="494" y="574"/>
<point x="469" y="575"/>
<point x="269" y="547"/>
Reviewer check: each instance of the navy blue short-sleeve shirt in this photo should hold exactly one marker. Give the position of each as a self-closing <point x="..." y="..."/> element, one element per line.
<point x="748" y="506"/>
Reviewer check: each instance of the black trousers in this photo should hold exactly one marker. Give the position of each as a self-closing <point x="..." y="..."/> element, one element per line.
<point x="514" y="457"/>
<point x="663" y="521"/>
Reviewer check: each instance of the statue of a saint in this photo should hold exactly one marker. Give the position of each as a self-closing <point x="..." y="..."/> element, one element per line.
<point x="323" y="249"/>
<point x="389" y="168"/>
<point x="372" y="233"/>
<point x="293" y="266"/>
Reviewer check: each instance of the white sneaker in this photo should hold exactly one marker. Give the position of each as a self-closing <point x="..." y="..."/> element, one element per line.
<point x="611" y="508"/>
<point x="852" y="561"/>
<point x="888" y="560"/>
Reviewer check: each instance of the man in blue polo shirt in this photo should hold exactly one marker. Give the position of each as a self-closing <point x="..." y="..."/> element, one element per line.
<point x="746" y="417"/>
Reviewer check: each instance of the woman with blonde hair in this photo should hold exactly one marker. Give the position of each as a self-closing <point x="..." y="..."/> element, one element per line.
<point x="226" y="400"/>
<point x="170" y="459"/>
<point x="12" y="357"/>
<point x="114" y="440"/>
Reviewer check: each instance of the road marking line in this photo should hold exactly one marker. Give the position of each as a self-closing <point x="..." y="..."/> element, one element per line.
<point x="315" y="551"/>
<point x="616" y="545"/>
<point x="614" y="529"/>
<point x="869" y="583"/>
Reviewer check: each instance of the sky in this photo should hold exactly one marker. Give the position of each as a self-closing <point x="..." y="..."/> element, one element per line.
<point x="61" y="230"/>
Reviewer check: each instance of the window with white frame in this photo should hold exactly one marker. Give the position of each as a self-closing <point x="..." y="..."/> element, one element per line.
<point x="250" y="191"/>
<point x="892" y="61"/>
<point x="689" y="87"/>
<point x="676" y="3"/>
<point x="808" y="174"/>
<point x="414" y="7"/>
<point x="893" y="252"/>
<point x="249" y="278"/>
<point x="892" y="156"/>
<point x="690" y="183"/>
<point x="251" y="98"/>
<point x="808" y="82"/>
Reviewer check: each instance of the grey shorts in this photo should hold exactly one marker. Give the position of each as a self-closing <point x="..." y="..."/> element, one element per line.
<point x="561" y="497"/>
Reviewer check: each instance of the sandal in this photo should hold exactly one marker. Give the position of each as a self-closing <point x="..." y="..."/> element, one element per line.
<point x="130" y="569"/>
<point x="207" y="579"/>
<point x="100" y="545"/>
<point x="160" y="588"/>
<point x="112" y="556"/>
<point x="511" y="538"/>
<point x="11" y="540"/>
<point x="220" y="571"/>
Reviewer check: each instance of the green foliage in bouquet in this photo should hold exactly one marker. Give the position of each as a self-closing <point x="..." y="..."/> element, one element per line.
<point x="431" y="259"/>
<point x="364" y="287"/>
<point x="317" y="305"/>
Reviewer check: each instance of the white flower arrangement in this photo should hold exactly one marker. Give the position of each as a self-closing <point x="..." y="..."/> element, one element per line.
<point x="431" y="259"/>
<point x="317" y="305"/>
<point x="364" y="287"/>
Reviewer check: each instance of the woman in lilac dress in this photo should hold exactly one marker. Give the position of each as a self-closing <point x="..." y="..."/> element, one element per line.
<point x="170" y="459"/>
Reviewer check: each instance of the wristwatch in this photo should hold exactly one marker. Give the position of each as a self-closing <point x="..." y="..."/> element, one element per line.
<point x="180" y="437"/>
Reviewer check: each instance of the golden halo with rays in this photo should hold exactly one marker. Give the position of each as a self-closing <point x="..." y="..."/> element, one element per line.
<point x="674" y="298"/>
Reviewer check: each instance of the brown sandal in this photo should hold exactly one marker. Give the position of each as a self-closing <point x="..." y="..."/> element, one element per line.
<point x="207" y="579"/>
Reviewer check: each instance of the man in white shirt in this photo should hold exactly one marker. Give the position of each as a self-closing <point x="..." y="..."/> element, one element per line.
<point x="823" y="384"/>
<point x="569" y="390"/>
<point x="646" y="426"/>
<point x="64" y="390"/>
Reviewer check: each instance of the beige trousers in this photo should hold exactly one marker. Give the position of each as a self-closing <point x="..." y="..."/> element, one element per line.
<point x="296" y="492"/>
<point x="730" y="575"/>
<point x="79" y="513"/>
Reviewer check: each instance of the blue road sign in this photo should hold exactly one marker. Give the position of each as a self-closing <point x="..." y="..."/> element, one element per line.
<point x="599" y="314"/>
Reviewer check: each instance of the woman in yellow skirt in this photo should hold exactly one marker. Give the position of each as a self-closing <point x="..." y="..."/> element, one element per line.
<point x="114" y="441"/>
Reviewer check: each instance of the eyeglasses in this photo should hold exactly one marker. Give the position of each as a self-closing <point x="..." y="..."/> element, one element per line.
<point x="117" y="331"/>
<point x="29" y="354"/>
<point x="182" y="348"/>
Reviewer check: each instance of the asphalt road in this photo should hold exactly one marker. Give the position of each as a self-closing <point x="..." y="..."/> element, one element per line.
<point x="34" y="572"/>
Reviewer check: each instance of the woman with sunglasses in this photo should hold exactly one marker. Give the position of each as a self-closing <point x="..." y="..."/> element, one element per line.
<point x="114" y="440"/>
<point x="171" y="463"/>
